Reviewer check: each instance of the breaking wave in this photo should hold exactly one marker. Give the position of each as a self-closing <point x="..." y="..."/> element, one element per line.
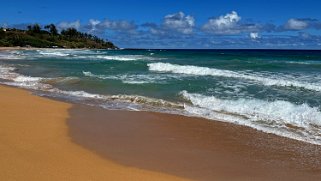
<point x="300" y="122"/>
<point x="205" y="71"/>
<point x="124" y="57"/>
<point x="42" y="84"/>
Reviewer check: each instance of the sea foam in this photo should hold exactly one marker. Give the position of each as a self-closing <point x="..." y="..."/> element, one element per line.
<point x="300" y="122"/>
<point x="272" y="80"/>
<point x="126" y="57"/>
<point x="135" y="78"/>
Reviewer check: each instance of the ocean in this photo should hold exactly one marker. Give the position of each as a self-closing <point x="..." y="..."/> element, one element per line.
<point x="274" y="91"/>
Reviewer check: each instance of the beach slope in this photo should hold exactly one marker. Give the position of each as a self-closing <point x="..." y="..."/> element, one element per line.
<point x="34" y="144"/>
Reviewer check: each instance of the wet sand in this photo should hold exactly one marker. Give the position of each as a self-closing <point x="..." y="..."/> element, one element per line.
<point x="43" y="139"/>
<point x="34" y="144"/>
<point x="193" y="148"/>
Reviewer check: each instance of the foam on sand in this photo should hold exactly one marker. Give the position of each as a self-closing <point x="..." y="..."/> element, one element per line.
<point x="283" y="118"/>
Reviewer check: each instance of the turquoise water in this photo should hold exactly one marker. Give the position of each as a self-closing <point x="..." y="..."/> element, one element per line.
<point x="273" y="91"/>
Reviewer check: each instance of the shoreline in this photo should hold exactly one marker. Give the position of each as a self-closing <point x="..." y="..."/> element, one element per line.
<point x="35" y="145"/>
<point x="187" y="147"/>
<point x="191" y="147"/>
<point x="22" y="48"/>
<point x="35" y="48"/>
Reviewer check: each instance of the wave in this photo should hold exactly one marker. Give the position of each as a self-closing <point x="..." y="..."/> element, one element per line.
<point x="146" y="103"/>
<point x="13" y="78"/>
<point x="64" y="52"/>
<point x="126" y="57"/>
<point x="91" y="54"/>
<point x="41" y="84"/>
<point x="120" y="58"/>
<point x="300" y="122"/>
<point x="205" y="71"/>
<point x="11" y="55"/>
<point x="6" y="72"/>
<point x="126" y="79"/>
<point x="311" y="62"/>
<point x="94" y="56"/>
<point x="62" y="80"/>
<point x="74" y="54"/>
<point x="60" y="54"/>
<point x="135" y="78"/>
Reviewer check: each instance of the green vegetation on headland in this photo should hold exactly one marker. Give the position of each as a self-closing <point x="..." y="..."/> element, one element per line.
<point x="49" y="37"/>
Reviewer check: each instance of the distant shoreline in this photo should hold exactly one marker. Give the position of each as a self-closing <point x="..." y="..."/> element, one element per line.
<point x="35" y="48"/>
<point x="155" y="49"/>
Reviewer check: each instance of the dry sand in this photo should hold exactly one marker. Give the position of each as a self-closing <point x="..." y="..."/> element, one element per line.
<point x="18" y="48"/>
<point x="34" y="144"/>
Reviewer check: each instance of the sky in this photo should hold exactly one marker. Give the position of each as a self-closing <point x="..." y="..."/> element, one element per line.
<point x="209" y="24"/>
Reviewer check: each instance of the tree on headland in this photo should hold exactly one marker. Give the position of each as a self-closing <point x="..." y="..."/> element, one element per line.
<point x="2" y="32"/>
<point x="52" y="29"/>
<point x="49" y="37"/>
<point x="71" y="32"/>
<point x="34" y="28"/>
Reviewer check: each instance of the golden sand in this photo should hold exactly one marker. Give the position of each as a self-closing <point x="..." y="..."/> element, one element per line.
<point x="34" y="144"/>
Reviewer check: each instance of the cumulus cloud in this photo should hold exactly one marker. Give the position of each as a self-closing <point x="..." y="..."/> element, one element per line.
<point x="92" y="25"/>
<point x="223" y="24"/>
<point x="94" y="22"/>
<point x="179" y="30"/>
<point x="254" y="35"/>
<point x="65" y="25"/>
<point x="173" y="25"/>
<point x="121" y="25"/>
<point x="179" y="22"/>
<point x="99" y="27"/>
<point x="296" y="24"/>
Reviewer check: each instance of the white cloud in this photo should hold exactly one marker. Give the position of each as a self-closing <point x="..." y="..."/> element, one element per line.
<point x="99" y="27"/>
<point x="65" y="25"/>
<point x="223" y="24"/>
<point x="254" y="35"/>
<point x="117" y="25"/>
<point x="296" y="24"/>
<point x="179" y="22"/>
<point x="94" y="22"/>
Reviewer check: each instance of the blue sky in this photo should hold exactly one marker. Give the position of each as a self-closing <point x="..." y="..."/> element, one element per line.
<point x="179" y="24"/>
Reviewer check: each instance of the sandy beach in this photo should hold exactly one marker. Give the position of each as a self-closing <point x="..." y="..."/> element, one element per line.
<point x="160" y="90"/>
<point x="192" y="147"/>
<point x="43" y="139"/>
<point x="34" y="144"/>
<point x="18" y="48"/>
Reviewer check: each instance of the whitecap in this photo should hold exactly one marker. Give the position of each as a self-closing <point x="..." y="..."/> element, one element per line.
<point x="300" y="122"/>
<point x="125" y="57"/>
<point x="271" y="80"/>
